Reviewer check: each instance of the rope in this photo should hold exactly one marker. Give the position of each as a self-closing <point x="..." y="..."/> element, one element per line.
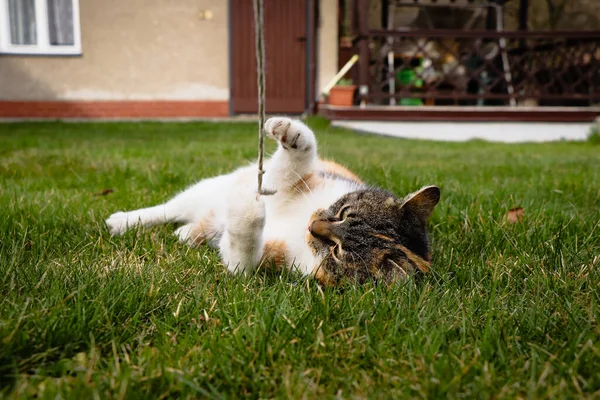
<point x="260" y="83"/>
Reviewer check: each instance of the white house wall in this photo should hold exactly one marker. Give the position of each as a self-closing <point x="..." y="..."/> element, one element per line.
<point x="132" y="50"/>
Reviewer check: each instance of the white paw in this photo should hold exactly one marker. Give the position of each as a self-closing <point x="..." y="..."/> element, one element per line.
<point x="246" y="216"/>
<point x="290" y="133"/>
<point x="118" y="223"/>
<point x="184" y="233"/>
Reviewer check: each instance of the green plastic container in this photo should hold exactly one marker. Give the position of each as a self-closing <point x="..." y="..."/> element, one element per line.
<point x="409" y="77"/>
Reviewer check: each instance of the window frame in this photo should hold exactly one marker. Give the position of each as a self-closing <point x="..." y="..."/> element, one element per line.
<point x="43" y="46"/>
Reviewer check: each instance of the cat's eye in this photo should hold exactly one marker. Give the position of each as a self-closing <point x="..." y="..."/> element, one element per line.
<point x="345" y="213"/>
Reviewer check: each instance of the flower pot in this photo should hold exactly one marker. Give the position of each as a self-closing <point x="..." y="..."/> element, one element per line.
<point x="345" y="42"/>
<point x="342" y="95"/>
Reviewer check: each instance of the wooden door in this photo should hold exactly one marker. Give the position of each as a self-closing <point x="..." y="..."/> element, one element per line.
<point x="285" y="34"/>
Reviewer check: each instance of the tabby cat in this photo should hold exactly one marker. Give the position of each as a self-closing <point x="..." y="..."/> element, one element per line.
<point x="323" y="220"/>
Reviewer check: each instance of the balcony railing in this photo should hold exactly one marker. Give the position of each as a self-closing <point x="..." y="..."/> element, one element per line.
<point x="476" y="67"/>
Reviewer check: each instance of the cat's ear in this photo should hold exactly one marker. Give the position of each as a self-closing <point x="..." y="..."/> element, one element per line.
<point x="422" y="202"/>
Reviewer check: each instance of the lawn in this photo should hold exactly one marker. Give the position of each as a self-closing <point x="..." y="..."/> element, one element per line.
<point x="511" y="310"/>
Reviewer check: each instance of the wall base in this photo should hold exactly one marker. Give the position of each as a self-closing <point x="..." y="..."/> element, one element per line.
<point x="113" y="109"/>
<point x="460" y="113"/>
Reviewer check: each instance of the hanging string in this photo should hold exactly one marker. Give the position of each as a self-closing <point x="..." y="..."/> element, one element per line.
<point x="260" y="83"/>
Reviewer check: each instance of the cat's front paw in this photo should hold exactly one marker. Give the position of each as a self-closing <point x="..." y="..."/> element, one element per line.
<point x="290" y="133"/>
<point x="241" y="245"/>
<point x="246" y="216"/>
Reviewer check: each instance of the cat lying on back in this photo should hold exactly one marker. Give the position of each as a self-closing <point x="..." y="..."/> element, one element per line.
<point x="323" y="219"/>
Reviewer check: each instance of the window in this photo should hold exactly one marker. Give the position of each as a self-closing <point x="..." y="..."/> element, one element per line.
<point x="40" y="27"/>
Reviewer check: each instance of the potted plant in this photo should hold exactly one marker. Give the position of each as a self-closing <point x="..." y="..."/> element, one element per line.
<point x="342" y="94"/>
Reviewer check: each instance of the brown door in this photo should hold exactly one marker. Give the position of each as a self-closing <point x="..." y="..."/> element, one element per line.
<point x="285" y="35"/>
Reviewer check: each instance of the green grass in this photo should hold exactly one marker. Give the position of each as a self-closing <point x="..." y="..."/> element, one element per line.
<point x="510" y="311"/>
<point x="594" y="135"/>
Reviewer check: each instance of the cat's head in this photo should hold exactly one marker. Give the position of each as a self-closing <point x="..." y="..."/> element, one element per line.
<point x="371" y="234"/>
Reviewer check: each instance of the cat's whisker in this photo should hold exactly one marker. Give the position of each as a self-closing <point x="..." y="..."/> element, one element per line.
<point x="298" y="190"/>
<point x="300" y="179"/>
<point x="359" y="256"/>
<point x="295" y="188"/>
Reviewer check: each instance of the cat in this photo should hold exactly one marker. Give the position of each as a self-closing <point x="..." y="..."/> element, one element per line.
<point x="323" y="219"/>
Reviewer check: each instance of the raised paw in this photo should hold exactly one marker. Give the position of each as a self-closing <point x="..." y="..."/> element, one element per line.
<point x="290" y="133"/>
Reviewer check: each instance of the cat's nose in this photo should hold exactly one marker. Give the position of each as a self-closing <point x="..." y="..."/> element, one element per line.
<point x="323" y="229"/>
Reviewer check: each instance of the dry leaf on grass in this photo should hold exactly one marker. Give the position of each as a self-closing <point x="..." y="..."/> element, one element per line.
<point x="104" y="192"/>
<point x="514" y="215"/>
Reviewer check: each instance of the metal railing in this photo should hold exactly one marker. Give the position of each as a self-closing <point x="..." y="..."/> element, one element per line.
<point x="480" y="68"/>
<point x="474" y="66"/>
<point x="449" y="67"/>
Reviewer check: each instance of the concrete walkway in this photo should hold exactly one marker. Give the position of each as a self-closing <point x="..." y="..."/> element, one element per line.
<point x="508" y="132"/>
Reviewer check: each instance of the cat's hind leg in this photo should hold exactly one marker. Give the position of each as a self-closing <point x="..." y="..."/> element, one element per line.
<point x="195" y="204"/>
<point x="120" y="222"/>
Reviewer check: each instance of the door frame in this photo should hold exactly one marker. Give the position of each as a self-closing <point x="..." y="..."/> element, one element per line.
<point x="312" y="12"/>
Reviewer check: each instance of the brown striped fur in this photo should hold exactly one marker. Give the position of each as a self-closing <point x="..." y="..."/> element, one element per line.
<point x="322" y="276"/>
<point x="310" y="182"/>
<point x="371" y="234"/>
<point x="419" y="262"/>
<point x="334" y="168"/>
